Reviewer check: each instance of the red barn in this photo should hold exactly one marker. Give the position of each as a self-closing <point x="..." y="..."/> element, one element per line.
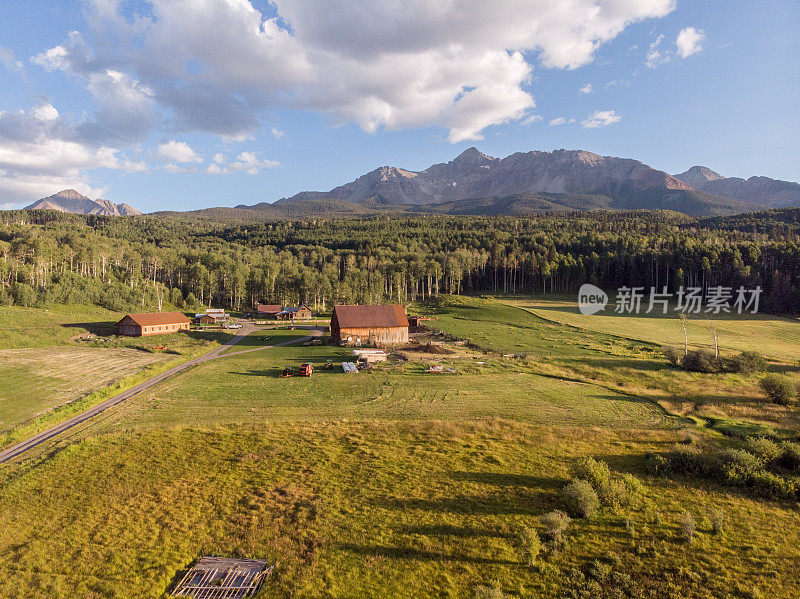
<point x="268" y="310"/>
<point x="152" y="323"/>
<point x="369" y="325"/>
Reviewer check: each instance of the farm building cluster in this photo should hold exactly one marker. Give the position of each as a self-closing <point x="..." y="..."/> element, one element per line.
<point x="278" y="312"/>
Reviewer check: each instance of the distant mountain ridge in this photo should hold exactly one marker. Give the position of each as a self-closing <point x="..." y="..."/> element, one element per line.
<point x="757" y="191"/>
<point x="74" y="202"/>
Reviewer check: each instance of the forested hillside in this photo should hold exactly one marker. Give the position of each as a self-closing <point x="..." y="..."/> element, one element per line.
<point x="138" y="262"/>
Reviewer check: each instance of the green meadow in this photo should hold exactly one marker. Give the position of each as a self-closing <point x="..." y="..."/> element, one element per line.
<point x="396" y="482"/>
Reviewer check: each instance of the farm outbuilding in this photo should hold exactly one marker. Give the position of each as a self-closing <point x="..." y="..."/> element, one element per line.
<point x="301" y="312"/>
<point x="268" y="310"/>
<point x="152" y="323"/>
<point x="369" y="325"/>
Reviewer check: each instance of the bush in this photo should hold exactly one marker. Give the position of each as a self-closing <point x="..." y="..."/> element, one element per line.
<point x="491" y="592"/>
<point x="555" y="523"/>
<point x="748" y="361"/>
<point x="790" y="456"/>
<point x="581" y="499"/>
<point x="687" y="526"/>
<point x="765" y="450"/>
<point x="717" y="522"/>
<point x="597" y="474"/>
<point x="701" y="360"/>
<point x="778" y="389"/>
<point x="673" y="355"/>
<point x="737" y="467"/>
<point x="769" y="485"/>
<point x="529" y="545"/>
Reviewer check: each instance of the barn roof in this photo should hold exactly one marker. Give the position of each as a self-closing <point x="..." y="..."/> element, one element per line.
<point x="390" y="315"/>
<point x="146" y="319"/>
<point x="269" y="308"/>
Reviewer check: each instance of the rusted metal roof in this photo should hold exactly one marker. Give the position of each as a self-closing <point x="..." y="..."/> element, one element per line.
<point x="360" y="317"/>
<point x="146" y="319"/>
<point x="269" y="308"/>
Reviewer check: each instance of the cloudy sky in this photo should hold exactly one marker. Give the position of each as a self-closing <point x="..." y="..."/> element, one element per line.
<point x="181" y="104"/>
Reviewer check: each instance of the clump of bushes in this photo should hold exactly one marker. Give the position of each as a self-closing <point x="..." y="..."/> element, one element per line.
<point x="530" y="545"/>
<point x="555" y="524"/>
<point x="717" y="522"/>
<point x="756" y="467"/>
<point x="612" y="490"/>
<point x="702" y="360"/>
<point x="581" y="499"/>
<point x="488" y="592"/>
<point x="688" y="526"/>
<point x="779" y="389"/>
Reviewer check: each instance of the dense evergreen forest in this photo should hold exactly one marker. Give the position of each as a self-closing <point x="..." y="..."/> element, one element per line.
<point x="137" y="263"/>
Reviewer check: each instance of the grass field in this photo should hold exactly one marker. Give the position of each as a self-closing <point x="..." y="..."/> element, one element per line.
<point x="775" y="337"/>
<point x="395" y="482"/>
<point x="632" y="365"/>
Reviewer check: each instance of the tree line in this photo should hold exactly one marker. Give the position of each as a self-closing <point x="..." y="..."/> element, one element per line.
<point x="143" y="263"/>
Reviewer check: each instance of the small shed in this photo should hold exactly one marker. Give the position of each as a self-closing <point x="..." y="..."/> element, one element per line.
<point x="210" y="318"/>
<point x="268" y="310"/>
<point x="220" y="577"/>
<point x="369" y="325"/>
<point x="152" y="323"/>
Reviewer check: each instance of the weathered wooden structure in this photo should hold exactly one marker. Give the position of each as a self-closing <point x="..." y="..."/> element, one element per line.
<point x="217" y="577"/>
<point x="301" y="312"/>
<point x="152" y="323"/>
<point x="369" y="325"/>
<point x="268" y="310"/>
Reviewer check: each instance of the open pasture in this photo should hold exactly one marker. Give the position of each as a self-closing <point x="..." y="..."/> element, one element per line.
<point x="615" y="357"/>
<point x="372" y="509"/>
<point x="774" y="337"/>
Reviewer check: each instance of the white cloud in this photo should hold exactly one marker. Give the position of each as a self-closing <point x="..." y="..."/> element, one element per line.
<point x="174" y="169"/>
<point x="690" y="41"/>
<point x="177" y="151"/>
<point x="246" y="162"/>
<point x="587" y="89"/>
<point x="41" y="154"/>
<point x="462" y="67"/>
<point x="45" y="112"/>
<point x="277" y="133"/>
<point x="601" y="118"/>
<point x="533" y="118"/>
<point x="9" y="61"/>
<point x="561" y="121"/>
<point x="656" y="55"/>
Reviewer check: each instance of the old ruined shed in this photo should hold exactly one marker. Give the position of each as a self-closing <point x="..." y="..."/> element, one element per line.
<point x="152" y="323"/>
<point x="369" y="325"/>
<point x="217" y="577"/>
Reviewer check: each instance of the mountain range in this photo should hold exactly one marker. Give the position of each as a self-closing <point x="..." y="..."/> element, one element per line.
<point x="70" y="200"/>
<point x="519" y="184"/>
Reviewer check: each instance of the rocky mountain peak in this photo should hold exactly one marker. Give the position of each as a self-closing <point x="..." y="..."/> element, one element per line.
<point x="697" y="176"/>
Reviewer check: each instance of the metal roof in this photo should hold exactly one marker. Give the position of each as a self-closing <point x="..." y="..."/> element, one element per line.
<point x="358" y="317"/>
<point x="146" y="319"/>
<point x="269" y="308"/>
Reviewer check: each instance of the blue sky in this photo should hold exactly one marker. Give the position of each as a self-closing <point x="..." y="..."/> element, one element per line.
<point x="189" y="104"/>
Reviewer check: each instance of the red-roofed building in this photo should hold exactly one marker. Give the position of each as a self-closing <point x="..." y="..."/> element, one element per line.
<point x="152" y="323"/>
<point x="369" y="325"/>
<point x="268" y="310"/>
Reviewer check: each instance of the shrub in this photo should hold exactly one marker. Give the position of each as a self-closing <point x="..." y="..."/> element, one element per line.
<point x="490" y="592"/>
<point x="769" y="485"/>
<point x="555" y="523"/>
<point x="687" y="526"/>
<point x="764" y="449"/>
<point x="701" y="361"/>
<point x="597" y="474"/>
<point x="633" y="488"/>
<point x="529" y="545"/>
<point x="673" y="355"/>
<point x="790" y="456"/>
<point x="717" y="522"/>
<point x="778" y="389"/>
<point x="737" y="467"/>
<point x="748" y="361"/>
<point x="581" y="498"/>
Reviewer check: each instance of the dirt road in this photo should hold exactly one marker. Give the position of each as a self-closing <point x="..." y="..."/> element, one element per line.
<point x="20" y="448"/>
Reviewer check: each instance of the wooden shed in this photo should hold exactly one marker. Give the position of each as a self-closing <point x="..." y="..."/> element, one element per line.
<point x="268" y="310"/>
<point x="369" y="325"/>
<point x="152" y="323"/>
<point x="301" y="312"/>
